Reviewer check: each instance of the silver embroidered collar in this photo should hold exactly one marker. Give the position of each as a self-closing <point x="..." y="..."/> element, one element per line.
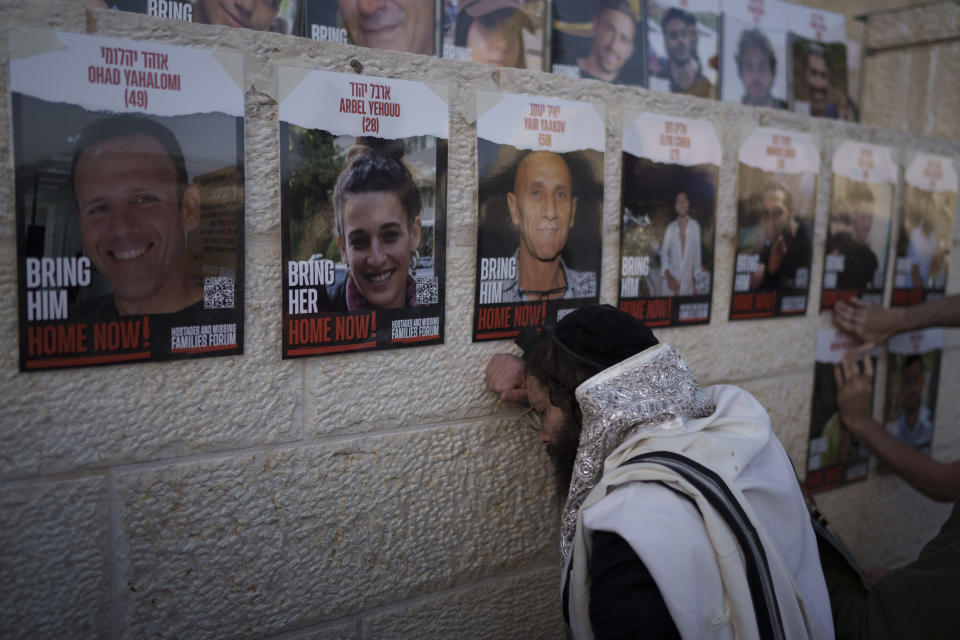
<point x="649" y="393"/>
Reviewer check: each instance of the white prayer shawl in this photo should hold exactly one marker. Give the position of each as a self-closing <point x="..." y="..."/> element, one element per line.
<point x="690" y="551"/>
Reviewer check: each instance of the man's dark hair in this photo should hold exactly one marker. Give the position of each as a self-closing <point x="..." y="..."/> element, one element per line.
<point x="914" y="358"/>
<point x="776" y="185"/>
<point x="582" y="344"/>
<point x="676" y="13"/>
<point x="126" y="126"/>
<point x="616" y="5"/>
<point x="755" y="39"/>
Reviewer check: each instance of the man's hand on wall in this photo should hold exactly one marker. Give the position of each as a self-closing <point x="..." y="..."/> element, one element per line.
<point x="505" y="376"/>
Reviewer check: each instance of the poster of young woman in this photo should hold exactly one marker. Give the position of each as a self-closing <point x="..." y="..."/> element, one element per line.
<point x="926" y="232"/>
<point x="598" y="40"/>
<point x="280" y="16"/>
<point x="398" y="25"/>
<point x="913" y="374"/>
<point x="776" y="196"/>
<point x="668" y="218"/>
<point x="753" y="66"/>
<point x="363" y="163"/>
<point x="683" y="46"/>
<point x="818" y="52"/>
<point x="540" y="199"/>
<point x="129" y="198"/>
<point x="502" y="33"/>
<point x="858" y="234"/>
<point x="834" y="457"/>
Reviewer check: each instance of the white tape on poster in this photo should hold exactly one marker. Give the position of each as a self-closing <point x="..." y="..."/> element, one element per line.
<point x="540" y="123"/>
<point x="136" y="76"/>
<point x="667" y="139"/>
<point x="350" y="104"/>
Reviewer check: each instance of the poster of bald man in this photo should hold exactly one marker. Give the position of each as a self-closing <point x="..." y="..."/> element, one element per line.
<point x="776" y="196"/>
<point x="279" y="16"/>
<point x="598" y="40"/>
<point x="395" y="25"/>
<point x="818" y="52"/>
<point x="683" y="46"/>
<point x="129" y="199"/>
<point x="926" y="230"/>
<point x="540" y="203"/>
<point x="501" y="33"/>
<point x="668" y="218"/>
<point x="858" y="233"/>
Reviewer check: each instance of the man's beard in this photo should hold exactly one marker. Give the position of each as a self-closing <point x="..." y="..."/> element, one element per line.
<point x="563" y="452"/>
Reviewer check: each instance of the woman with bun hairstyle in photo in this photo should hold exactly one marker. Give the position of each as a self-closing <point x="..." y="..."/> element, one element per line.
<point x="376" y="207"/>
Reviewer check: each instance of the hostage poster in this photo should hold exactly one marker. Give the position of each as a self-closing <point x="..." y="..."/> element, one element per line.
<point x="913" y="374"/>
<point x="834" y="457"/>
<point x="409" y="25"/>
<point x="363" y="164"/>
<point x="668" y="218"/>
<point x="129" y="198"/>
<point x="502" y="33"/>
<point x="926" y="231"/>
<point x="818" y="52"/>
<point x="540" y="202"/>
<point x="753" y="68"/>
<point x="598" y="40"/>
<point x="858" y="233"/>
<point x="278" y="16"/>
<point x="683" y="46"/>
<point x="776" y="195"/>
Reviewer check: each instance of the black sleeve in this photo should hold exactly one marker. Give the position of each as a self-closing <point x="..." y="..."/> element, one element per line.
<point x="624" y="599"/>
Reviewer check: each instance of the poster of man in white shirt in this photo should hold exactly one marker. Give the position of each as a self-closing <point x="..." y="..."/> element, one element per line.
<point x="668" y="218"/>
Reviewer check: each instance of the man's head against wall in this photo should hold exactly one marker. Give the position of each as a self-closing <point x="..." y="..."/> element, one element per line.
<point x="397" y="25"/>
<point x="776" y="209"/>
<point x="135" y="206"/>
<point x="861" y="213"/>
<point x="756" y="66"/>
<point x="614" y="30"/>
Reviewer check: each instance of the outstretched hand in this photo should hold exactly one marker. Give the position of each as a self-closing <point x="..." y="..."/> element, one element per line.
<point x="868" y="323"/>
<point x="854" y="388"/>
<point x="506" y="377"/>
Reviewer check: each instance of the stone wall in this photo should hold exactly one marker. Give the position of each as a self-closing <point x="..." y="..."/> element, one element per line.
<point x="379" y="495"/>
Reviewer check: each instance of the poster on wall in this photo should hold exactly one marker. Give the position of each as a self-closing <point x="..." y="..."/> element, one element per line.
<point x="502" y="33"/>
<point x="129" y="200"/>
<point x="753" y="68"/>
<point x="776" y="196"/>
<point x="683" y="46"/>
<point x="279" y="16"/>
<point x="409" y="26"/>
<point x="926" y="231"/>
<point x="858" y="233"/>
<point x="363" y="163"/>
<point x="540" y="204"/>
<point x="913" y="374"/>
<point x="834" y="457"/>
<point x="818" y="51"/>
<point x="599" y="41"/>
<point x="668" y="218"/>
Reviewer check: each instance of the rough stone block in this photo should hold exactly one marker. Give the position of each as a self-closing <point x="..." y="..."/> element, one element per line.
<point x="913" y="25"/>
<point x="53" y="550"/>
<point x="259" y="544"/>
<point x="521" y="607"/>
<point x="943" y="114"/>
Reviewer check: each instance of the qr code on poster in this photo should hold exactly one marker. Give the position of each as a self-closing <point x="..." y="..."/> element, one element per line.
<point x="218" y="293"/>
<point x="427" y="290"/>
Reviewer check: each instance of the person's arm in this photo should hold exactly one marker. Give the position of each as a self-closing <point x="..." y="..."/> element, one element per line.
<point x="872" y="324"/>
<point x="937" y="480"/>
<point x="506" y="377"/>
